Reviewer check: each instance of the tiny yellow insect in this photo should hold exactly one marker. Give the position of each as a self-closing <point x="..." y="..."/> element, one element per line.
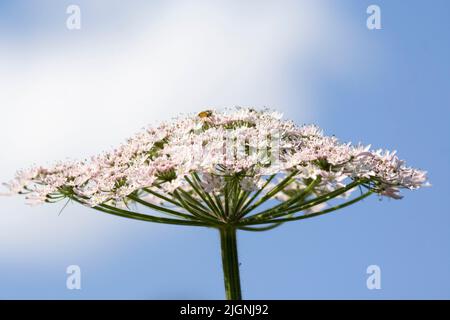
<point x="205" y="114"/>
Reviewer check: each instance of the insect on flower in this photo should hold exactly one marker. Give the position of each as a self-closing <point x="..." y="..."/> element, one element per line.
<point x="205" y="114"/>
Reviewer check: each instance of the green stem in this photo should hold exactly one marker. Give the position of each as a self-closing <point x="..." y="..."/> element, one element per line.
<point x="230" y="263"/>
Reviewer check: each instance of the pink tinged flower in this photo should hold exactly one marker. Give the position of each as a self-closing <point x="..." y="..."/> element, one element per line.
<point x="187" y="168"/>
<point x="248" y="184"/>
<point x="392" y="193"/>
<point x="212" y="182"/>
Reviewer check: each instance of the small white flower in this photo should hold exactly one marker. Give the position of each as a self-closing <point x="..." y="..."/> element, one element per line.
<point x="248" y="184"/>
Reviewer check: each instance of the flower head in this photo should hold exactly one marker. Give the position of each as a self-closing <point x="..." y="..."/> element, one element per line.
<point x="219" y="164"/>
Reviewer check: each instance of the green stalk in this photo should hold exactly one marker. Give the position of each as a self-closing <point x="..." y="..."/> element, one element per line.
<point x="230" y="263"/>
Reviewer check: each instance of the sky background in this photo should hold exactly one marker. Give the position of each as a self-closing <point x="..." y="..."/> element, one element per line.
<point x="73" y="93"/>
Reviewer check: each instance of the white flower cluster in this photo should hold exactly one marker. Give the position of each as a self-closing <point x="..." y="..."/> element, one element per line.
<point x="243" y="143"/>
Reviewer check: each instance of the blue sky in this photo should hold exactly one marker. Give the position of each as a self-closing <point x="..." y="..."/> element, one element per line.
<point x="75" y="93"/>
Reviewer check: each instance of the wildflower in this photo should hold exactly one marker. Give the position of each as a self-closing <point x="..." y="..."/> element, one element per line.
<point x="217" y="169"/>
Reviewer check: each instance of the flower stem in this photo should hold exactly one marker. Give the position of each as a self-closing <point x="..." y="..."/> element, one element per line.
<point x="230" y="263"/>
